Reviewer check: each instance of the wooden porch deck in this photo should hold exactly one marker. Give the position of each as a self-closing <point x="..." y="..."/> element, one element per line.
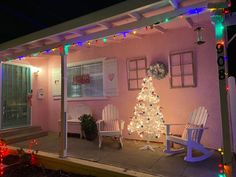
<point x="130" y="157"/>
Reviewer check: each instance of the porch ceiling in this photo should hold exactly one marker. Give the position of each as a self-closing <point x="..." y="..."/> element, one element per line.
<point x="113" y="23"/>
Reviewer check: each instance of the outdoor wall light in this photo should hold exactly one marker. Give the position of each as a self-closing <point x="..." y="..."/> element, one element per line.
<point x="35" y="70"/>
<point x="200" y="39"/>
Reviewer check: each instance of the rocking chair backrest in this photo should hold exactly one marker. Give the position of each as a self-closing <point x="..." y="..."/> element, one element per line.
<point x="197" y="119"/>
<point x="199" y="116"/>
<point x="110" y="115"/>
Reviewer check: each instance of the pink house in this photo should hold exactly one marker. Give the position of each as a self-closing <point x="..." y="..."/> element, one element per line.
<point x="151" y="31"/>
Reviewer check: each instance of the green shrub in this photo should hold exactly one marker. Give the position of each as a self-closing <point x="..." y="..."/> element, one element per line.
<point x="89" y="127"/>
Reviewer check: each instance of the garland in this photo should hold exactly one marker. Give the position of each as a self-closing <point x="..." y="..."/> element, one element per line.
<point x="157" y="70"/>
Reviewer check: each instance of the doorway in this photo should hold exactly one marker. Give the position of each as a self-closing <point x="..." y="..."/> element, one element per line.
<point x="16" y="86"/>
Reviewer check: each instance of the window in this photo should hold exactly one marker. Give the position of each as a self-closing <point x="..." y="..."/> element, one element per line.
<point x="136" y="68"/>
<point x="85" y="80"/>
<point x="182" y="73"/>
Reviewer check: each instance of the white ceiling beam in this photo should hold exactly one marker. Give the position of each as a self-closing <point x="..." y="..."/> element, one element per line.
<point x="106" y="25"/>
<point x="136" y="16"/>
<point x="174" y="4"/>
<point x="112" y="12"/>
<point x="79" y="32"/>
<point x="160" y="29"/>
<point x="189" y="21"/>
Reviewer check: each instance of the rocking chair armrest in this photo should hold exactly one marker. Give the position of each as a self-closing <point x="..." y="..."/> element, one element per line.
<point x="168" y="128"/>
<point x="99" y="122"/>
<point x="173" y="124"/>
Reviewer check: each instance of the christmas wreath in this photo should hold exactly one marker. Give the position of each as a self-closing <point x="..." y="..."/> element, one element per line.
<point x="157" y="70"/>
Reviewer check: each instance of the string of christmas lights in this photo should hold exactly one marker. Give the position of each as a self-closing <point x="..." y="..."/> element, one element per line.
<point x="88" y="43"/>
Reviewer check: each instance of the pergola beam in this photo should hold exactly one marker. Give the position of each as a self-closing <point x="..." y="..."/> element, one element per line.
<point x="106" y="25"/>
<point x="174" y="4"/>
<point x="160" y="29"/>
<point x="79" y="32"/>
<point x="136" y="16"/>
<point x="101" y="15"/>
<point x="190" y="22"/>
<point x="115" y="30"/>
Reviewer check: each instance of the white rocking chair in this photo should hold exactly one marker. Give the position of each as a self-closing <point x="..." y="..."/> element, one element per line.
<point x="110" y="125"/>
<point x="191" y="136"/>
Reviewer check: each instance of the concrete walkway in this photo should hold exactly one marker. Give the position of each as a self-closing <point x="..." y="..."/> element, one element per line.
<point x="130" y="157"/>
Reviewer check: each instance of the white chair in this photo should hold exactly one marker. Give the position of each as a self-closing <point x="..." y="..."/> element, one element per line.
<point x="191" y="136"/>
<point x="110" y="125"/>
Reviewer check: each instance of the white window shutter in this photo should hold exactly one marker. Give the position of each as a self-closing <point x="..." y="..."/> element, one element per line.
<point x="110" y="77"/>
<point x="56" y="82"/>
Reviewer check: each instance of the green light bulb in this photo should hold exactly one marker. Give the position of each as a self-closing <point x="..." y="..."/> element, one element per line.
<point x="104" y="39"/>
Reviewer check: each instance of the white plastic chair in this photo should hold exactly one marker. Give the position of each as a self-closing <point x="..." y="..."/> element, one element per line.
<point x="191" y="136"/>
<point x="110" y="125"/>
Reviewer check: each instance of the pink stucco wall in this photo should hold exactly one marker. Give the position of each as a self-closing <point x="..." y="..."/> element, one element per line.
<point x="40" y="81"/>
<point x="177" y="103"/>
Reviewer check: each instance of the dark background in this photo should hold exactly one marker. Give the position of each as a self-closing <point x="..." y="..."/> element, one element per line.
<point x="21" y="17"/>
<point x="231" y="49"/>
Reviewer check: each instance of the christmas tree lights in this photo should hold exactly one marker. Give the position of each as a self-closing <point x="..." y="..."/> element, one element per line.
<point x="147" y="118"/>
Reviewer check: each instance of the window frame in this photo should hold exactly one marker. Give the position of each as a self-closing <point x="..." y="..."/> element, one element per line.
<point x="182" y="65"/>
<point x="137" y="71"/>
<point x="83" y="62"/>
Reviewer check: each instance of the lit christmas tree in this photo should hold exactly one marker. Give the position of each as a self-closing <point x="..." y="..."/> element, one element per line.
<point x="147" y="120"/>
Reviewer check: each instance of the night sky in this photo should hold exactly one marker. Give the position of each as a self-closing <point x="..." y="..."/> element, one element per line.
<point x="21" y="17"/>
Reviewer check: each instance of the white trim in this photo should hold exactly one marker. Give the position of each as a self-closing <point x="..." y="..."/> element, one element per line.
<point x="18" y="64"/>
<point x="130" y="26"/>
<point x="88" y="61"/>
<point x="83" y="62"/>
<point x="114" y="11"/>
<point x="86" y="98"/>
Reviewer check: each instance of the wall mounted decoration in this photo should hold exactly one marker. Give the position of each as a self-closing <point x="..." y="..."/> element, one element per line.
<point x="136" y="71"/>
<point x="157" y="70"/>
<point x="110" y="80"/>
<point x="182" y="71"/>
<point x="56" y="82"/>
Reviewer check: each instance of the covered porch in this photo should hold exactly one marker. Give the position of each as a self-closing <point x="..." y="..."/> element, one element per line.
<point x="129" y="160"/>
<point x="150" y="31"/>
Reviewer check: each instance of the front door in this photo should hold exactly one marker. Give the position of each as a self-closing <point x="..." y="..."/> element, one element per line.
<point x="16" y="86"/>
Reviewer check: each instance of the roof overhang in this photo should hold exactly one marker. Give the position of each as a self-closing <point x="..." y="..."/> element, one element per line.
<point x="122" y="17"/>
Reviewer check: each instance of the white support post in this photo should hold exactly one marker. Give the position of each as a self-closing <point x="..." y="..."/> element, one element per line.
<point x="63" y="136"/>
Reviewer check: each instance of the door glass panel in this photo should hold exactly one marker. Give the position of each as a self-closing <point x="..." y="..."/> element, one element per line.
<point x="16" y="84"/>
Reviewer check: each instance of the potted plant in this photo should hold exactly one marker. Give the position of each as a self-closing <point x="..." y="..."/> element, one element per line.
<point x="89" y="127"/>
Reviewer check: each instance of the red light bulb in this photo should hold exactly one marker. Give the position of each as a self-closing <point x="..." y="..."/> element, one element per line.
<point x="227" y="88"/>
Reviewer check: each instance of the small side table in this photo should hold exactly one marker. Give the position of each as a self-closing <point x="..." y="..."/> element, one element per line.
<point x="73" y="126"/>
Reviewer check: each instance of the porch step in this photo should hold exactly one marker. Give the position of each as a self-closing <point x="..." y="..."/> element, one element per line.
<point x="21" y="134"/>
